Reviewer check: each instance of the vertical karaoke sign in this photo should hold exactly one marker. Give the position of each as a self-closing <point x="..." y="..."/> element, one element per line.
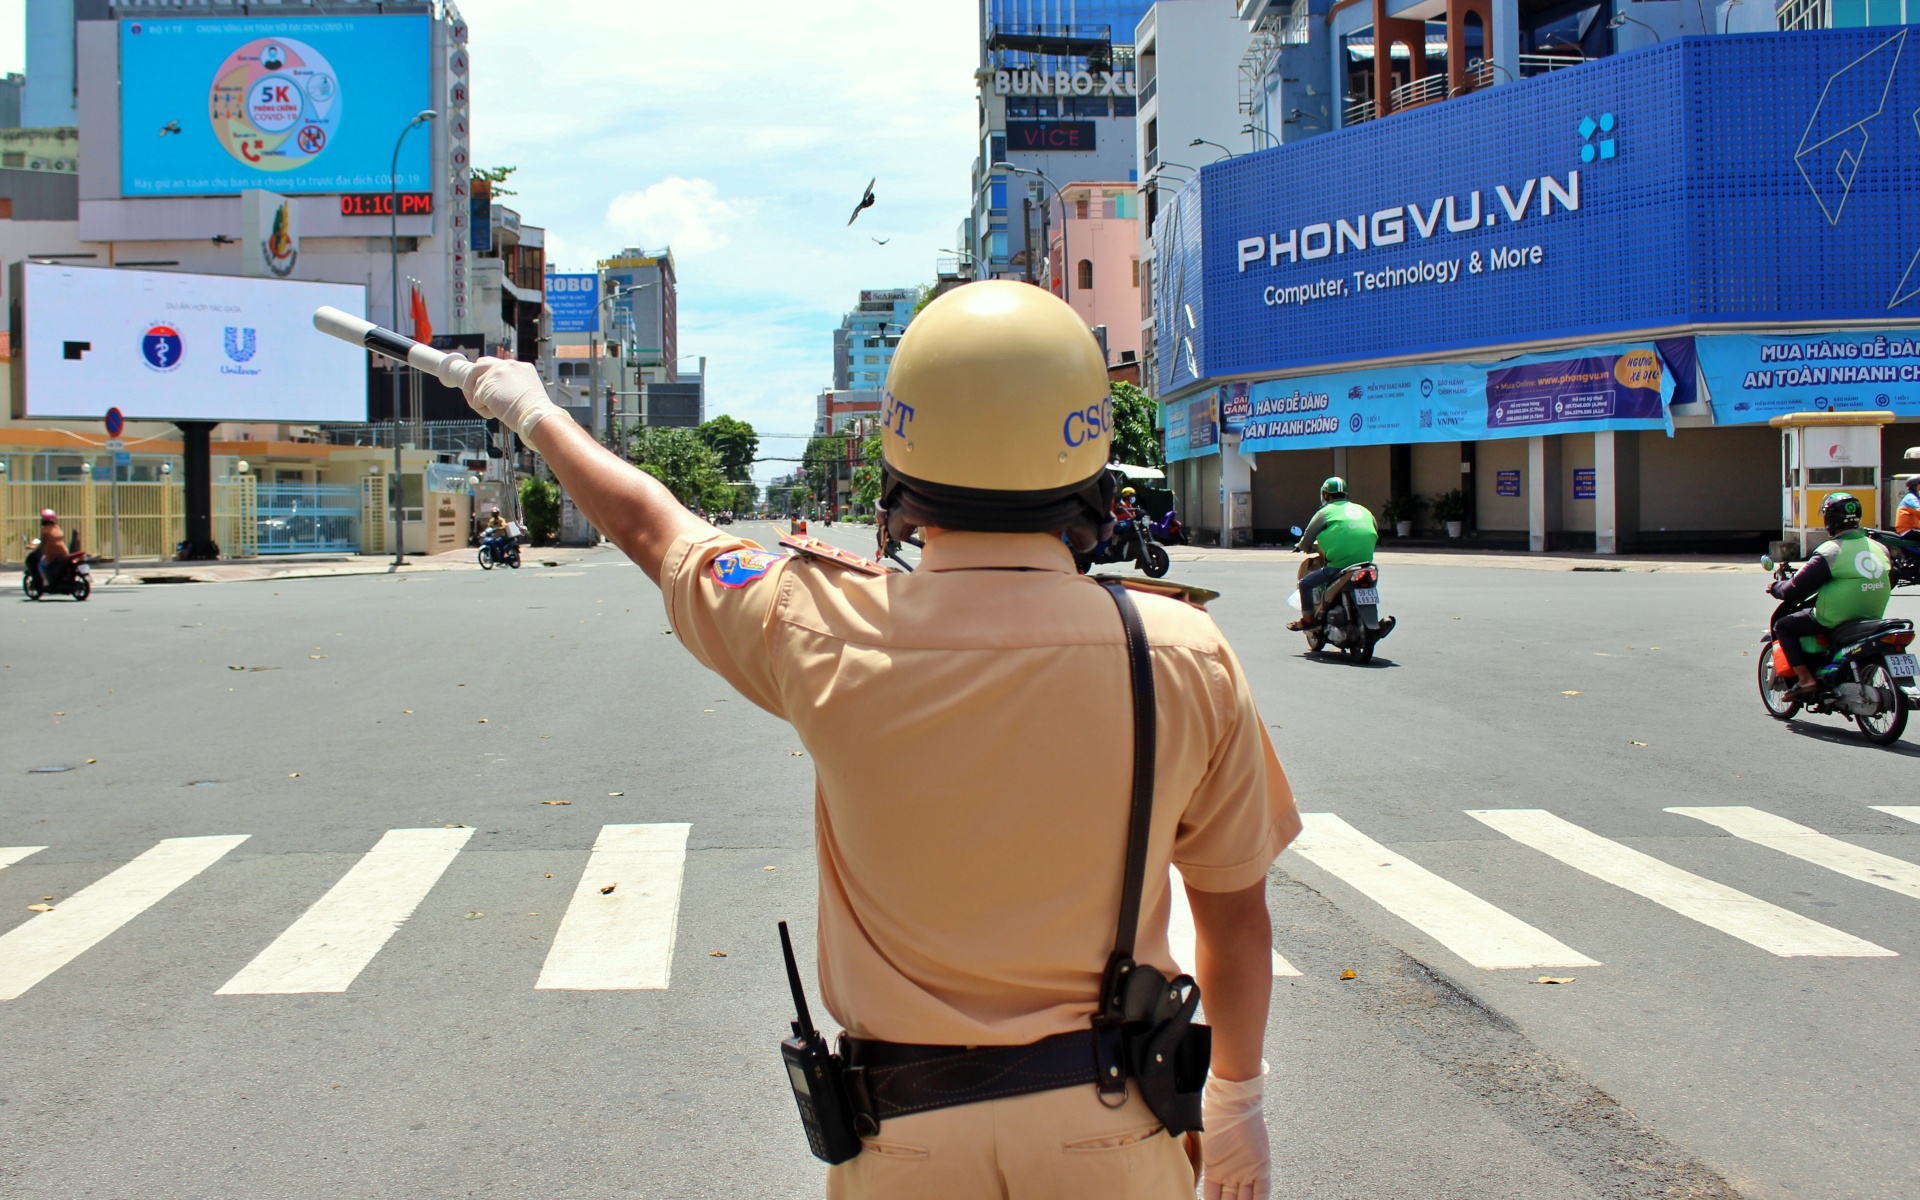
<point x="459" y="167"/>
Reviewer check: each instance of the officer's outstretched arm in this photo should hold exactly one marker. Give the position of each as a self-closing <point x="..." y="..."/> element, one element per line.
<point x="635" y="510"/>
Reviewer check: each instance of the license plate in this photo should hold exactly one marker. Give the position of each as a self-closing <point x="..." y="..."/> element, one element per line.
<point x="1372" y="596"/>
<point x="1903" y="666"/>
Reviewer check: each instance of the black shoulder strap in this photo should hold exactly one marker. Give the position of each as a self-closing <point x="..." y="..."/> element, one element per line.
<point x="1140" y="820"/>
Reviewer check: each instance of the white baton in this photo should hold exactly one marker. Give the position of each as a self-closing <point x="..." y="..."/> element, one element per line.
<point x="450" y="369"/>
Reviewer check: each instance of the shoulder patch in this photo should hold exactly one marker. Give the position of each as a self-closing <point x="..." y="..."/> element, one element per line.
<point x="1196" y="596"/>
<point x="738" y="568"/>
<point x="821" y="551"/>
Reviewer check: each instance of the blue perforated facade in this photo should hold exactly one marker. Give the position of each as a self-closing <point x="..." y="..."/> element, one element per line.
<point x="1766" y="180"/>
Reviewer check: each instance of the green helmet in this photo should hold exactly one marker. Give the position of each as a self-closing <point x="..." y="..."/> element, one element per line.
<point x="1333" y="486"/>
<point x="1840" y="510"/>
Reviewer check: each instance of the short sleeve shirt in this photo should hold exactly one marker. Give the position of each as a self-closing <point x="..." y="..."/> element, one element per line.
<point x="970" y="730"/>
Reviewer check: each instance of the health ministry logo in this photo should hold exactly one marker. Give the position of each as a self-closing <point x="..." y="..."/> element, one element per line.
<point x="275" y="104"/>
<point x="161" y="347"/>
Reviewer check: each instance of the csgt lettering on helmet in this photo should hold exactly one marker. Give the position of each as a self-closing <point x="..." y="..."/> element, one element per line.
<point x="897" y="416"/>
<point x="1093" y="421"/>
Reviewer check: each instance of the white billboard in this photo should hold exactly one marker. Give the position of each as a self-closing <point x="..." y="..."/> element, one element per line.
<point x="166" y="346"/>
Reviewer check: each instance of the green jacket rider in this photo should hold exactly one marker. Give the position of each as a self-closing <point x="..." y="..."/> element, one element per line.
<point x="1342" y="531"/>
<point x="1847" y="579"/>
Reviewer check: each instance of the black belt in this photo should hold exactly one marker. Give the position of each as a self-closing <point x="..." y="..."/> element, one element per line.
<point x="893" y="1079"/>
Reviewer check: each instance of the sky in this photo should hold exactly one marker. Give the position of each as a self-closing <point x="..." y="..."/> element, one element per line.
<point x="741" y="134"/>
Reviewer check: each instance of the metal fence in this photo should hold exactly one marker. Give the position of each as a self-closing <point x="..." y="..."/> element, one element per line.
<point x="152" y="517"/>
<point x="305" y="518"/>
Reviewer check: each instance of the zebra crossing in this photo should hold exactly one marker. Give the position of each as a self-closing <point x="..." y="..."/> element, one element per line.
<point x="620" y="924"/>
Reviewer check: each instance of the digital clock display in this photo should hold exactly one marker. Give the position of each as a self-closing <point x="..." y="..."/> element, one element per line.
<point x="380" y="204"/>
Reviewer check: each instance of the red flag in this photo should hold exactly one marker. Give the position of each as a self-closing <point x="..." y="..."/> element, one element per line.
<point x="422" y="324"/>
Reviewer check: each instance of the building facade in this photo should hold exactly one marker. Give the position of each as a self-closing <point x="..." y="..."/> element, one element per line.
<point x="863" y="344"/>
<point x="1573" y="327"/>
<point x="1056" y="84"/>
<point x="1093" y="262"/>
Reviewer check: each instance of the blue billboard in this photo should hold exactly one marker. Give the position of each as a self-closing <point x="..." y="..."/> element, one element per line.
<point x="572" y="303"/>
<point x="1755" y="377"/>
<point x="213" y="106"/>
<point x="1751" y="179"/>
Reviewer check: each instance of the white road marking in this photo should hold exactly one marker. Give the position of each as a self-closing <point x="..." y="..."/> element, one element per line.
<point x="1906" y="812"/>
<point x="13" y="854"/>
<point x="333" y="941"/>
<point x="1778" y="833"/>
<point x="1716" y="905"/>
<point x="1180" y="934"/>
<point x="1477" y="931"/>
<point x="44" y="944"/>
<point x="622" y="939"/>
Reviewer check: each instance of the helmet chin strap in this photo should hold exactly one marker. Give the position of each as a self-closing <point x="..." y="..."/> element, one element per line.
<point x="1082" y="515"/>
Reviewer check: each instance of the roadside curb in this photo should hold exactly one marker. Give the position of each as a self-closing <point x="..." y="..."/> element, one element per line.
<point x="162" y="574"/>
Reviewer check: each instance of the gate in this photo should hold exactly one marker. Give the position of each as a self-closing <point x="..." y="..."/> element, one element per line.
<point x="305" y="518"/>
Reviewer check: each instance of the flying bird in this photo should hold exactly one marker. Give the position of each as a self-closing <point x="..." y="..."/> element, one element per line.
<point x="866" y="201"/>
<point x="881" y="241"/>
<point x="170" y="127"/>
<point x="221" y="239"/>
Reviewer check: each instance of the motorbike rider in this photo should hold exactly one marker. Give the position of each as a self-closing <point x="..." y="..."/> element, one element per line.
<point x="1343" y="533"/>
<point x="52" y="546"/>
<point x="1845" y="580"/>
<point x="1906" y="518"/>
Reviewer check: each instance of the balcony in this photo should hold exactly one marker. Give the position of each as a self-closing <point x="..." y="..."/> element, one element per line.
<point x="1357" y="111"/>
<point x="1149" y="89"/>
<point x="1424" y="90"/>
<point x="1153" y="157"/>
<point x="1540" y="64"/>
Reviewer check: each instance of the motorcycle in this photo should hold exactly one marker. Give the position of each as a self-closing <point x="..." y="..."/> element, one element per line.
<point x="1168" y="530"/>
<point x="501" y="551"/>
<point x="1132" y="541"/>
<point x="1865" y="672"/>
<point x="1346" y="611"/>
<point x="71" y="578"/>
<point x="1903" y="556"/>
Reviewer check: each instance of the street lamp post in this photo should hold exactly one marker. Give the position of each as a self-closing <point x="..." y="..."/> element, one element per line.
<point x="593" y="349"/>
<point x="1250" y="128"/>
<point x="1066" y="255"/>
<point x="1199" y="141"/>
<point x="393" y="244"/>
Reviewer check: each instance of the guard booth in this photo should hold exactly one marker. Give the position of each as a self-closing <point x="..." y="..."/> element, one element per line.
<point x="1821" y="453"/>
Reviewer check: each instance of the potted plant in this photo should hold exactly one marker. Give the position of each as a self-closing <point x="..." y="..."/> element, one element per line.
<point x="1451" y="507"/>
<point x="1401" y="512"/>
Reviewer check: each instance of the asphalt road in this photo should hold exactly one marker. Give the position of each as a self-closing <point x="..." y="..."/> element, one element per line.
<point x="313" y="716"/>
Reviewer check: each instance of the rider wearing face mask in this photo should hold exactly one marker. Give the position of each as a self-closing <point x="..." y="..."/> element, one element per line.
<point x="1846" y="579"/>
<point x="53" y="544"/>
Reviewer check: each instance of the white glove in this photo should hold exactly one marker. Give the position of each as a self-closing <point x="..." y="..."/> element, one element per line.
<point x="511" y="391"/>
<point x="1233" y="1147"/>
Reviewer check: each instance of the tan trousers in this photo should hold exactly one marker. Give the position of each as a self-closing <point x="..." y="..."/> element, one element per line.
<point x="1044" y="1146"/>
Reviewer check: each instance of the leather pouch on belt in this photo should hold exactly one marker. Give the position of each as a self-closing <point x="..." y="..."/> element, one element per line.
<point x="1167" y="1054"/>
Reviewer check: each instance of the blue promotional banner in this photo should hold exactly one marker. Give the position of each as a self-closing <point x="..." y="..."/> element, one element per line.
<point x="572" y="303"/>
<point x="1656" y="189"/>
<point x="1607" y="387"/>
<point x="1752" y="378"/>
<point x="212" y="106"/>
<point x="1193" y="427"/>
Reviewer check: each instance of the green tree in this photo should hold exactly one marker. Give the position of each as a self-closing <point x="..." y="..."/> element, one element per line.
<point x="735" y="442"/>
<point x="866" y="476"/>
<point x="1135" y="440"/>
<point x="496" y="178"/>
<point x="540" y="505"/>
<point x="679" y="459"/>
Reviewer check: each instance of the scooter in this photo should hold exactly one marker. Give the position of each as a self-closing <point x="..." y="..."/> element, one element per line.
<point x="73" y="578"/>
<point x="501" y="551"/>
<point x="1346" y="611"/>
<point x="1132" y="541"/>
<point x="1865" y="672"/>
<point x="1168" y="530"/>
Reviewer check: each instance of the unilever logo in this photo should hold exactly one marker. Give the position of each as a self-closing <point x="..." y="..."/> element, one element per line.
<point x="1590" y="149"/>
<point x="240" y="347"/>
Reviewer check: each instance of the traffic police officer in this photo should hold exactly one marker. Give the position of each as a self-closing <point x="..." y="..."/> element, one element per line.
<point x="970" y="809"/>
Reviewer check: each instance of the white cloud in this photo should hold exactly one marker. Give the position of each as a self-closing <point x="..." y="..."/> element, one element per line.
<point x="741" y="135"/>
<point x="685" y="213"/>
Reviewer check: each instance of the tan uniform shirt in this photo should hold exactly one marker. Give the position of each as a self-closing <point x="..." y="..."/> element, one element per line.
<point x="971" y="734"/>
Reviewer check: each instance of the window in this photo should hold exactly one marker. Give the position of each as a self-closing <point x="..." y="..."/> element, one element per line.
<point x="999" y="193"/>
<point x="1123" y="106"/>
<point x="997" y="148"/>
<point x="1080" y="208"/>
<point x="1153" y="135"/>
<point x="1084" y="107"/>
<point x="1136" y="272"/>
<point x="1086" y="275"/>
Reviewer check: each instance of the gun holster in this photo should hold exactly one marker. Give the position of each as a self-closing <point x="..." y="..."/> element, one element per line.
<point x="1158" y="1045"/>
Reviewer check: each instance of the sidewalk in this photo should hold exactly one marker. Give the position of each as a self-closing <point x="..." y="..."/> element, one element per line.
<point x="319" y="566"/>
<point x="1519" y="560"/>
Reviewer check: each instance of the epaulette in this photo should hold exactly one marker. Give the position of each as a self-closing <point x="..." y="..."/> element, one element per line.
<point x="814" y="548"/>
<point x="1196" y="596"/>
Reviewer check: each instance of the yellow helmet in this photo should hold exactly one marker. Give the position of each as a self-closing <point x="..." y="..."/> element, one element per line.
<point x="997" y="416"/>
<point x="1127" y="493"/>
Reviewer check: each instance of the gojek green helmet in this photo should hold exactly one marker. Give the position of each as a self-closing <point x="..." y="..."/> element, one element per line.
<point x="1333" y="486"/>
<point x="1840" y="510"/>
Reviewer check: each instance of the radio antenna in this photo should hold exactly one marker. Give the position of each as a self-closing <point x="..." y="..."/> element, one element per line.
<point x="805" y="1028"/>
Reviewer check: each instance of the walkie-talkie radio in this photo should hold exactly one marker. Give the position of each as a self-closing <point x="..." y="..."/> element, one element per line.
<point x="815" y="1072"/>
